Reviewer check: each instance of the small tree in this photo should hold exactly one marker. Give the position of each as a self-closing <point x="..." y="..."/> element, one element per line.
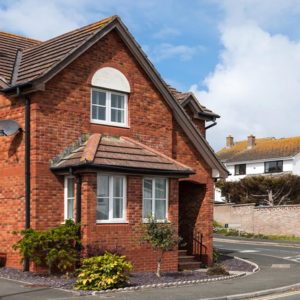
<point x="162" y="237"/>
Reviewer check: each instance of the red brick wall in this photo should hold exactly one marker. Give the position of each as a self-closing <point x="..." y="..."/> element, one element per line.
<point x="200" y="124"/>
<point x="59" y="115"/>
<point x="11" y="180"/>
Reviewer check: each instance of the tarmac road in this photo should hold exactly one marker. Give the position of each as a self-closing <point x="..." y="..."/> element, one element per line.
<point x="279" y="266"/>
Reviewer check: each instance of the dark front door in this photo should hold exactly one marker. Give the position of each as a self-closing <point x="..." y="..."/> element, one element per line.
<point x="191" y="195"/>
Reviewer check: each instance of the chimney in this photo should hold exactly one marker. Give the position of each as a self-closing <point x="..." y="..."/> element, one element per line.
<point x="251" y="141"/>
<point x="229" y="141"/>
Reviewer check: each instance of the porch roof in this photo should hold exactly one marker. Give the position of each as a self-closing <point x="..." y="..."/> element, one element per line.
<point x="118" y="154"/>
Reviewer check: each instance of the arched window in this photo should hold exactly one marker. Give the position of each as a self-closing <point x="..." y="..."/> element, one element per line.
<point x="109" y="100"/>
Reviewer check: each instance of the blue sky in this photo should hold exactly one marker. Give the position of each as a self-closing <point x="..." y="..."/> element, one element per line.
<point x="240" y="57"/>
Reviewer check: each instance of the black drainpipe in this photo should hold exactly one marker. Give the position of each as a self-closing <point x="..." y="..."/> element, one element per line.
<point x="78" y="198"/>
<point x="27" y="173"/>
<point x="78" y="214"/>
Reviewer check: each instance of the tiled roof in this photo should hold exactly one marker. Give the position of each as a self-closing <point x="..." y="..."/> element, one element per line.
<point x="9" y="45"/>
<point x="182" y="96"/>
<point x="121" y="153"/>
<point x="265" y="148"/>
<point x="39" y="57"/>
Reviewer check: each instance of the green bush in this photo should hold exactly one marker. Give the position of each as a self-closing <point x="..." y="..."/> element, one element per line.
<point x="103" y="272"/>
<point x="54" y="248"/>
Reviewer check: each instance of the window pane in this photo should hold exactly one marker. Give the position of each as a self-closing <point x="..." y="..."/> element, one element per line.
<point x="99" y="98"/>
<point x="148" y="188"/>
<point x="103" y="186"/>
<point x="160" y="188"/>
<point x="70" y="182"/>
<point x="117" y="115"/>
<point x="117" y="208"/>
<point x="160" y="209"/>
<point x="100" y="113"/>
<point x="70" y="209"/>
<point x="102" y="209"/>
<point x="147" y="208"/>
<point x="94" y="112"/>
<point x="117" y="101"/>
<point x="118" y="186"/>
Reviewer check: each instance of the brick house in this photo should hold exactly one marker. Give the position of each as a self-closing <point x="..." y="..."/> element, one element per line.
<point x="104" y="141"/>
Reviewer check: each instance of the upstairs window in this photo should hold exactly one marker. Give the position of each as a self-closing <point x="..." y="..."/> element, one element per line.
<point x="109" y="98"/>
<point x="109" y="107"/>
<point x="240" y="169"/>
<point x="273" y="166"/>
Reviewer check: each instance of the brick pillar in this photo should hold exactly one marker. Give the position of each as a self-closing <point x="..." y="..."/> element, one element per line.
<point x="88" y="206"/>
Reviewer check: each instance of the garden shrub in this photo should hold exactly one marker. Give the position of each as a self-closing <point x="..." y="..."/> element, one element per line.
<point x="217" y="269"/>
<point x="55" y="248"/>
<point x="103" y="272"/>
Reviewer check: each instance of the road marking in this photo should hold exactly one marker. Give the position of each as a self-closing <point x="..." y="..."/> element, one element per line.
<point x="295" y="258"/>
<point x="278" y="296"/>
<point x="281" y="266"/>
<point x="248" y="251"/>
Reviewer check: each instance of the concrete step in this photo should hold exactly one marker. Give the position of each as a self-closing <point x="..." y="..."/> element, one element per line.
<point x="185" y="258"/>
<point x="190" y="265"/>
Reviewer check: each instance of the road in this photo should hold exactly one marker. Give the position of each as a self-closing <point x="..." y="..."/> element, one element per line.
<point x="279" y="263"/>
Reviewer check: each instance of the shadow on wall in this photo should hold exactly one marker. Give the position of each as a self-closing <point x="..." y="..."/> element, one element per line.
<point x="15" y="144"/>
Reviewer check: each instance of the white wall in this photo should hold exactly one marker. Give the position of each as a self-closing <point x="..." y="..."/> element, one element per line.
<point x="256" y="168"/>
<point x="296" y="165"/>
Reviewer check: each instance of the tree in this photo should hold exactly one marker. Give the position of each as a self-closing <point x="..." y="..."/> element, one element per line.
<point x="267" y="190"/>
<point x="161" y="236"/>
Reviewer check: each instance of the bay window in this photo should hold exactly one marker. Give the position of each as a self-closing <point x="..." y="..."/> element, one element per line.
<point x="69" y="197"/>
<point x="111" y="198"/>
<point x="155" y="198"/>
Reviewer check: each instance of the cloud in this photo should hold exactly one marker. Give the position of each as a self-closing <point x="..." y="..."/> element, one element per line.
<point x="167" y="32"/>
<point x="256" y="85"/>
<point x="165" y="51"/>
<point x="38" y="21"/>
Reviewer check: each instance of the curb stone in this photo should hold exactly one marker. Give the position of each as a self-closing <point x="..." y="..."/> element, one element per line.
<point x="169" y="284"/>
<point x="257" y="293"/>
<point x="250" y="263"/>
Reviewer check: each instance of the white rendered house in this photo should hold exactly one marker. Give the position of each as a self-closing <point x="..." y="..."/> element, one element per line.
<point x="263" y="156"/>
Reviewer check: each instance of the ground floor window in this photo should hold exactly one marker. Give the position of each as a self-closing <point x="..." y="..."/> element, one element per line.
<point x="111" y="198"/>
<point x="69" y="197"/>
<point x="155" y="198"/>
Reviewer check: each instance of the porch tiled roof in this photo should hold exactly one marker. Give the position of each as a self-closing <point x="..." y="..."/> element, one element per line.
<point x="120" y="153"/>
<point x="265" y="148"/>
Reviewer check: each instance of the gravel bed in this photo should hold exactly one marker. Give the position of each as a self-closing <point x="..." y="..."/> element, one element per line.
<point x="135" y="279"/>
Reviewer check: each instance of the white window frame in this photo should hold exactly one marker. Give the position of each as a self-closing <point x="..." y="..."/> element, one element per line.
<point x="66" y="198"/>
<point x="108" y="108"/>
<point x="145" y="220"/>
<point x="110" y="201"/>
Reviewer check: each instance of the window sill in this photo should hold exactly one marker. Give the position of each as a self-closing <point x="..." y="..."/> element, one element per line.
<point x="145" y="221"/>
<point x="112" y="222"/>
<point x="109" y="124"/>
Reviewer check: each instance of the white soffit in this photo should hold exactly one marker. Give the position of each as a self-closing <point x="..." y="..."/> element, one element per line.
<point x="110" y="78"/>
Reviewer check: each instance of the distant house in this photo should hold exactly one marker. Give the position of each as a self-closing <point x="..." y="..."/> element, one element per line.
<point x="261" y="156"/>
<point x="254" y="157"/>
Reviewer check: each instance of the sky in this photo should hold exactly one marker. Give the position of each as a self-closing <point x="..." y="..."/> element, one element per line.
<point x="241" y="58"/>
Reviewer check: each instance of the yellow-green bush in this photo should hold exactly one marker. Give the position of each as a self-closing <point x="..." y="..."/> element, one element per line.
<point x="103" y="272"/>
